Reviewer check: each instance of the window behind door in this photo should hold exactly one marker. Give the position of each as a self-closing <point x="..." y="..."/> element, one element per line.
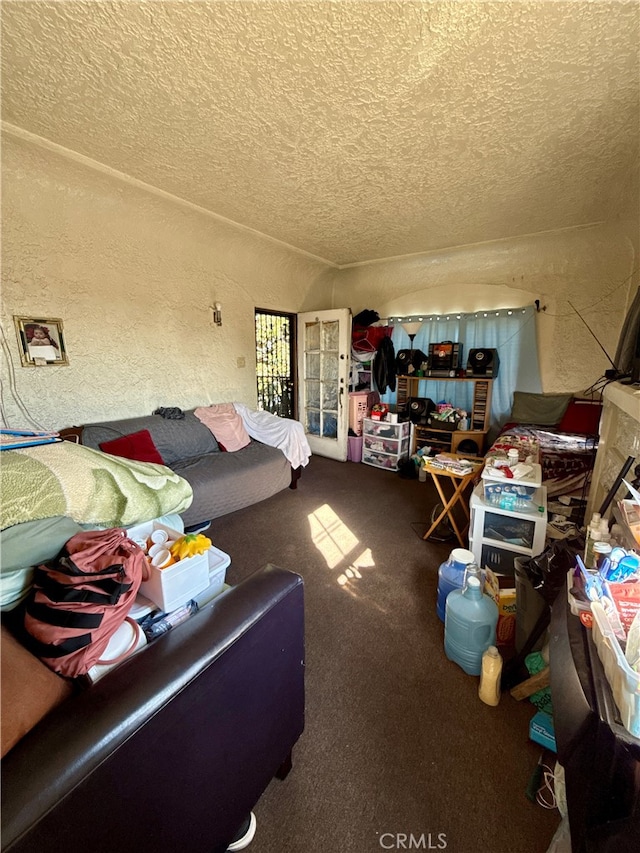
<point x="275" y="362"/>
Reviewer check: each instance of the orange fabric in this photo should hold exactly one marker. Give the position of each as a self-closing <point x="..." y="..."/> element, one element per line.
<point x="29" y="690"/>
<point x="96" y="577"/>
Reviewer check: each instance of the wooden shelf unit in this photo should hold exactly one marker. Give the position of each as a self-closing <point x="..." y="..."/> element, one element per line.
<point x="442" y="439"/>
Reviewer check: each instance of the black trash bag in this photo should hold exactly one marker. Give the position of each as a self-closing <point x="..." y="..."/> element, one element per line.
<point x="366" y="318"/>
<point x="408" y="470"/>
<point x="547" y="571"/>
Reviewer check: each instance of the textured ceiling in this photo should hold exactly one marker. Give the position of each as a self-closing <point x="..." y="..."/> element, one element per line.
<point x="350" y="130"/>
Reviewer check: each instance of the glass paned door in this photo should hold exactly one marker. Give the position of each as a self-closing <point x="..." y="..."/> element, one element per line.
<point x="323" y="357"/>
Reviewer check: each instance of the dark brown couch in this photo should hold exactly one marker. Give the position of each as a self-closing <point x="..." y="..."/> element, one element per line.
<point x="174" y="747"/>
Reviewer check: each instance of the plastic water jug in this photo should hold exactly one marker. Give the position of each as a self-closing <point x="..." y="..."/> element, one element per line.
<point x="469" y="626"/>
<point x="451" y="576"/>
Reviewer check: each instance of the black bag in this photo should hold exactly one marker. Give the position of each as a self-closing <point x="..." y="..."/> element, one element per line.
<point x="547" y="571"/>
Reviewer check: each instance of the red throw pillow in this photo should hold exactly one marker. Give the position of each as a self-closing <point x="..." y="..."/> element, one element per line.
<point x="582" y="417"/>
<point x="136" y="445"/>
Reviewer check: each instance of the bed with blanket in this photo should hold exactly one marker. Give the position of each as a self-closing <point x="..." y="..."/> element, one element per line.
<point x="557" y="430"/>
<point x="52" y="491"/>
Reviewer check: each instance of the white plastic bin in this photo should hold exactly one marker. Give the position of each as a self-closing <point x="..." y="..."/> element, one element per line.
<point x="173" y="586"/>
<point x="624" y="682"/>
<point x="525" y="489"/>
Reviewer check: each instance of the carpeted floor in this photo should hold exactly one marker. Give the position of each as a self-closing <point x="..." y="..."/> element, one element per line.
<point x="398" y="751"/>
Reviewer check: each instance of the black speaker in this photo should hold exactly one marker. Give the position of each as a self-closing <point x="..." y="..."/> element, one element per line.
<point x="468" y="445"/>
<point x="483" y="362"/>
<point x="419" y="409"/>
<point x="408" y="361"/>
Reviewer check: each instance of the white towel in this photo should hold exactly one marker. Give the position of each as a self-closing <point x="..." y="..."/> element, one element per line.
<point x="284" y="433"/>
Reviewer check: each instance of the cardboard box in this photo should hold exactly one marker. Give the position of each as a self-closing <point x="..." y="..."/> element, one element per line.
<point x="541" y="730"/>
<point x="502" y="589"/>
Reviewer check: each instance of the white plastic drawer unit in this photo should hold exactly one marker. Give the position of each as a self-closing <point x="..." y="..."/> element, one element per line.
<point x="385" y="445"/>
<point x="498" y="536"/>
<point x="508" y="529"/>
<point x="386" y="430"/>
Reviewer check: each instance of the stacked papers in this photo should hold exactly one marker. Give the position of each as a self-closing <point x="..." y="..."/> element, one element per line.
<point x="449" y="463"/>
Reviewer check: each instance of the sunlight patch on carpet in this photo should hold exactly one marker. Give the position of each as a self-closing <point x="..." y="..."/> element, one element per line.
<point x="331" y="536"/>
<point x="353" y="573"/>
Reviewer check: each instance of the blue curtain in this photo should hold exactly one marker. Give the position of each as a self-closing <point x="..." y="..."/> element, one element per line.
<point x="511" y="331"/>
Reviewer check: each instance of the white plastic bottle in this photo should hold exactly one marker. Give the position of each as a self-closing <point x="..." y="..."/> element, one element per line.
<point x="592" y="535"/>
<point x="617" y="535"/>
<point x="489" y="689"/>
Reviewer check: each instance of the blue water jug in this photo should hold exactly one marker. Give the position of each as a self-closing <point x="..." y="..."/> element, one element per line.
<point x="469" y="626"/>
<point x="451" y="576"/>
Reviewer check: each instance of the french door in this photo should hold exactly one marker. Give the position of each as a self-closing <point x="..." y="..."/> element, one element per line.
<point x="323" y="372"/>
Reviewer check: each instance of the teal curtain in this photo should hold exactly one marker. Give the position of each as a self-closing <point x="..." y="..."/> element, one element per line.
<point x="511" y="331"/>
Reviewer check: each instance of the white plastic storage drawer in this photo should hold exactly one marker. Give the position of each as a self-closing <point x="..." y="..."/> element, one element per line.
<point x="385" y="445"/>
<point x="385" y="429"/>
<point x="499" y="560"/>
<point x="389" y="461"/>
<point x="520" y="529"/>
<point x="523" y="491"/>
<point x="498" y="536"/>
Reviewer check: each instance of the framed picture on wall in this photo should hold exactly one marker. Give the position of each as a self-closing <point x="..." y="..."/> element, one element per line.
<point x="41" y="341"/>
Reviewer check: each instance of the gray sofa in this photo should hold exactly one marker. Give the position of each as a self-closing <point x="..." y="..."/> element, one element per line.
<point x="222" y="482"/>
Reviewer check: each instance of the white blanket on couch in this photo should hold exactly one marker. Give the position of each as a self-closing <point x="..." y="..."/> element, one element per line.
<point x="284" y="433"/>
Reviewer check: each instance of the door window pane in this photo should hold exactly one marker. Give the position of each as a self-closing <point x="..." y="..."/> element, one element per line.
<point x="329" y="426"/>
<point x="312" y="396"/>
<point x="330" y="396"/>
<point x="330" y="336"/>
<point x="312" y="360"/>
<point x="312" y="336"/>
<point x="330" y="367"/>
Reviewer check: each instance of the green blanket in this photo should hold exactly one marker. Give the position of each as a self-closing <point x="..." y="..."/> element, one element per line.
<point x="91" y="487"/>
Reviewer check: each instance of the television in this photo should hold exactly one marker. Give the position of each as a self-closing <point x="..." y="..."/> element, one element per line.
<point x="627" y="358"/>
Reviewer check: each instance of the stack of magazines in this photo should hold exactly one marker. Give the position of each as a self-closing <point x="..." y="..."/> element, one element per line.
<point x="461" y="467"/>
<point x="13" y="439"/>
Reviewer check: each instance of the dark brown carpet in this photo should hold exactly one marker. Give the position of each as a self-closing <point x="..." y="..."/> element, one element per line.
<point x="397" y="743"/>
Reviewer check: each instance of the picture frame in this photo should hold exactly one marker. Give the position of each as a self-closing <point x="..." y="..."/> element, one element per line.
<point x="41" y="341"/>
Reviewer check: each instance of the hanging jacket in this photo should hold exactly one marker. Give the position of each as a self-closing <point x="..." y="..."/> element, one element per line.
<point x="384" y="366"/>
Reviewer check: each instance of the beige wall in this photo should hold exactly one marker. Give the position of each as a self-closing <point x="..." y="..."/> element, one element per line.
<point x="592" y="268"/>
<point x="131" y="274"/>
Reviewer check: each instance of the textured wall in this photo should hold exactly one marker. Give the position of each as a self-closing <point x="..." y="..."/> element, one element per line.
<point x="131" y="275"/>
<point x="593" y="268"/>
